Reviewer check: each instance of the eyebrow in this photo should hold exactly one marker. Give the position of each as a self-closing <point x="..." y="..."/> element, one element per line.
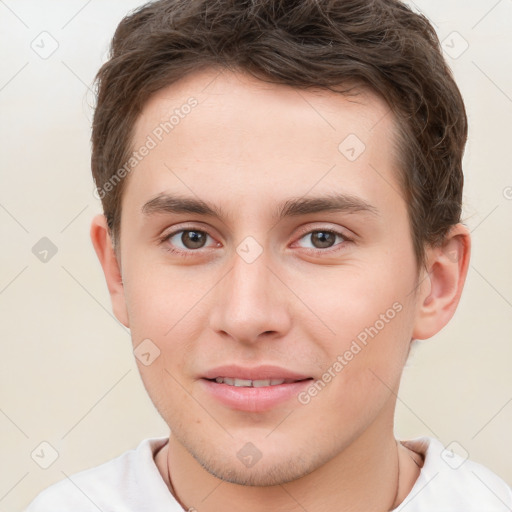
<point x="174" y="204"/>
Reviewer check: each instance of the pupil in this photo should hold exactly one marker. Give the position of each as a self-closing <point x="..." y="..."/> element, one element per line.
<point x="323" y="237"/>
<point x="195" y="238"/>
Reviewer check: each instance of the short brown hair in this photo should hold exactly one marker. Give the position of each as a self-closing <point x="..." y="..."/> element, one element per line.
<point x="310" y="43"/>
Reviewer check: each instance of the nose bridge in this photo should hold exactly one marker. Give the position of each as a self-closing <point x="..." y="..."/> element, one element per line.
<point x="248" y="303"/>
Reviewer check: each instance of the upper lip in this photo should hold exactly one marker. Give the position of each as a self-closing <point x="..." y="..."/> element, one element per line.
<point x="263" y="372"/>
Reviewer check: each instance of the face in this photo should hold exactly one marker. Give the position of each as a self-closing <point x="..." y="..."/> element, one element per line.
<point x="291" y="259"/>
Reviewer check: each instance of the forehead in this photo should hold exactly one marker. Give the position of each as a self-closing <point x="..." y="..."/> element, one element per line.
<point x="243" y="137"/>
<point x="242" y="103"/>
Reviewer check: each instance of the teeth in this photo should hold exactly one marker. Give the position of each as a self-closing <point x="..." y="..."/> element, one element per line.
<point x="242" y="383"/>
<point x="260" y="383"/>
<point x="249" y="383"/>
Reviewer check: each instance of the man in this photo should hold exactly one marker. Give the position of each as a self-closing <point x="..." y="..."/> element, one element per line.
<point x="281" y="184"/>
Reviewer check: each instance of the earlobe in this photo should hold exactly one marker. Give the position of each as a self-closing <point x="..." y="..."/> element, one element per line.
<point x="102" y="243"/>
<point x="441" y="290"/>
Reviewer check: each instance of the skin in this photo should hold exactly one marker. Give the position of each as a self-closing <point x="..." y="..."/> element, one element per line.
<point x="299" y="305"/>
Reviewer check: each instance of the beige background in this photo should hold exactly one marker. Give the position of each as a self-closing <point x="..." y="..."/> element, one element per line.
<point x="67" y="373"/>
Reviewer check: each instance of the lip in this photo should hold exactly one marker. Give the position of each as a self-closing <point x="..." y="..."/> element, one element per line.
<point x="251" y="399"/>
<point x="262" y="372"/>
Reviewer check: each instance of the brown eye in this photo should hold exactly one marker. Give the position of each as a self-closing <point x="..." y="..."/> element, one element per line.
<point x="193" y="239"/>
<point x="186" y="240"/>
<point x="322" y="239"/>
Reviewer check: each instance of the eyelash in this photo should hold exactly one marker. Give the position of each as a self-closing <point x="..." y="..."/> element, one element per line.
<point x="192" y="252"/>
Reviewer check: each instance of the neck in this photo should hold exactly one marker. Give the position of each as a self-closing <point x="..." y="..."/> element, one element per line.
<point x="372" y="461"/>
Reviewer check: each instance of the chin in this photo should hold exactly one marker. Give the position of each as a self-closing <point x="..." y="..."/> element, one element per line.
<point x="273" y="465"/>
<point x="263" y="474"/>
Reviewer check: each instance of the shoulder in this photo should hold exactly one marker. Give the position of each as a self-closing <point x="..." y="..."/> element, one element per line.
<point x="114" y="485"/>
<point x="451" y="482"/>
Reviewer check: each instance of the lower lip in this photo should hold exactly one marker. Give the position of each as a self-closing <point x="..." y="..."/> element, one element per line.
<point x="254" y="399"/>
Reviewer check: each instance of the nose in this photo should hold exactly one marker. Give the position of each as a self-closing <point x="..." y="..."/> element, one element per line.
<point x="252" y="302"/>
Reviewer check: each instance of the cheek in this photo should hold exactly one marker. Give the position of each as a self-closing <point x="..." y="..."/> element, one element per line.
<point x="361" y="372"/>
<point x="165" y="306"/>
<point x="156" y="299"/>
<point x="349" y="299"/>
<point x="368" y="318"/>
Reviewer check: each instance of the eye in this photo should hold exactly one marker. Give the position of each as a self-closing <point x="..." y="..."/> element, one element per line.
<point x="185" y="241"/>
<point x="322" y="239"/>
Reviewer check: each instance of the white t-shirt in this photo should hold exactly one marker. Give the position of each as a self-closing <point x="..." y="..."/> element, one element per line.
<point x="132" y="483"/>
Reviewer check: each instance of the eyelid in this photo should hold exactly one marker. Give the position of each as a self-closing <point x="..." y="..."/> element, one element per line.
<point x="185" y="227"/>
<point x="345" y="233"/>
<point x="166" y="235"/>
<point x="337" y="248"/>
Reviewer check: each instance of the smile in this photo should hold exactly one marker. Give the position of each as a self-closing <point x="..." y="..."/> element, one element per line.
<point x="246" y="383"/>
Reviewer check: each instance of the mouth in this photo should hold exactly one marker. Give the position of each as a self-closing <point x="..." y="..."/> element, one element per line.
<point x="263" y="375"/>
<point x="257" y="383"/>
<point x="257" y="389"/>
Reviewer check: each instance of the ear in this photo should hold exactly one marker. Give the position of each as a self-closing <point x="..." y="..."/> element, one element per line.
<point x="101" y="240"/>
<point x="442" y="283"/>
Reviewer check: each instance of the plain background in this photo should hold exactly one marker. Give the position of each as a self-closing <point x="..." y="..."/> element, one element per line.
<point x="67" y="371"/>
